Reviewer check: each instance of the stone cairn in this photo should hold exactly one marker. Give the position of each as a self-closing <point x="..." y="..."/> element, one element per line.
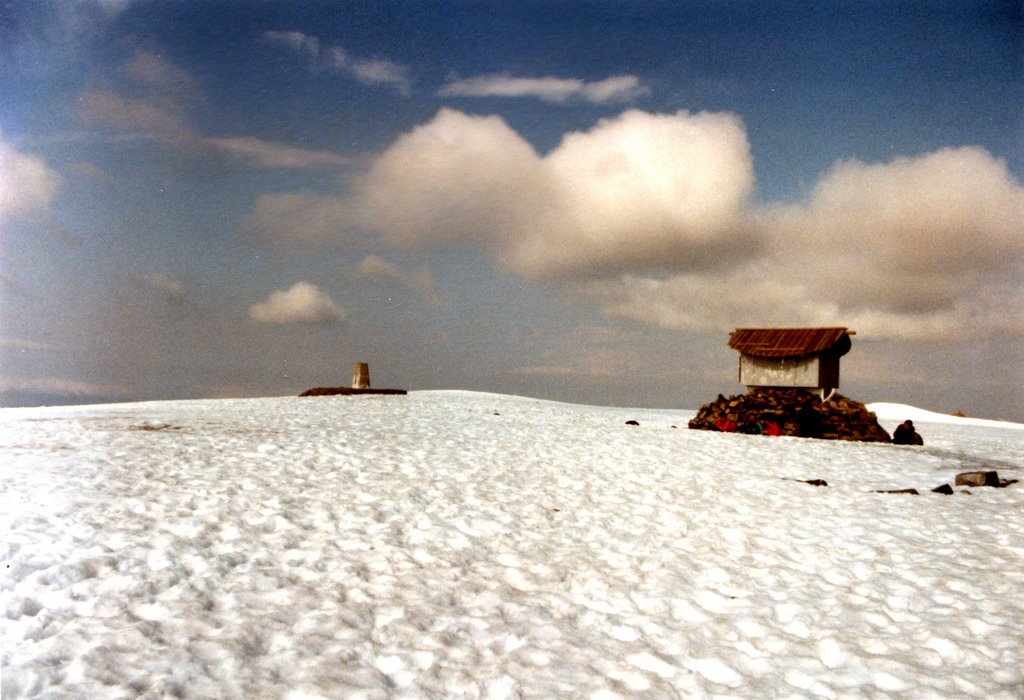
<point x="796" y="412"/>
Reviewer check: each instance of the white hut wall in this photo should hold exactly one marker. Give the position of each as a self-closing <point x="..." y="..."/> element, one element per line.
<point x="798" y="372"/>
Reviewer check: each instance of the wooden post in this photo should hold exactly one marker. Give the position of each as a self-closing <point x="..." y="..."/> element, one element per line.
<point x="361" y="376"/>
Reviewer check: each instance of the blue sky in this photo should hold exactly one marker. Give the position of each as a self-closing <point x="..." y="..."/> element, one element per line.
<point x="568" y="200"/>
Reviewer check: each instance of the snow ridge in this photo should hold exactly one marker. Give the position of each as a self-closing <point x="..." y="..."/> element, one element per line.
<point x="900" y="412"/>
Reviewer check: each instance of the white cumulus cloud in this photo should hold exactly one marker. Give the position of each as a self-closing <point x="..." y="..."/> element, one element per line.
<point x="640" y="189"/>
<point x="644" y="190"/>
<point x="923" y="247"/>
<point x="913" y="234"/>
<point x="650" y="215"/>
<point x="302" y="303"/>
<point x="457" y="177"/>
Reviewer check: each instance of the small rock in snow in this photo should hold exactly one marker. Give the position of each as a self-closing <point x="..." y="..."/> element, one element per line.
<point x="812" y="482"/>
<point x="986" y="478"/>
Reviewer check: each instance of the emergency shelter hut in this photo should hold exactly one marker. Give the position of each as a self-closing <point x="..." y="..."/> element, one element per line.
<point x="804" y="358"/>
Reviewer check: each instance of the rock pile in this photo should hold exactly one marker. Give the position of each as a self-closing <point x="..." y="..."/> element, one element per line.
<point x="796" y="412"/>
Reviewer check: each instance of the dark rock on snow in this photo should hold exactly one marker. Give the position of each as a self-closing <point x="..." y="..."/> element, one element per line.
<point x="986" y="478"/>
<point x="812" y="482"/>
<point x="977" y="479"/>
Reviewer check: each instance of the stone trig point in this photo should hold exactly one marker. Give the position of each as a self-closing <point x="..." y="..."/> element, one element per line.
<point x="361" y="376"/>
<point x="360" y="385"/>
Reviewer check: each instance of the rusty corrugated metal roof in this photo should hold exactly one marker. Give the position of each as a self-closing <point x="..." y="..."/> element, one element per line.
<point x="786" y="342"/>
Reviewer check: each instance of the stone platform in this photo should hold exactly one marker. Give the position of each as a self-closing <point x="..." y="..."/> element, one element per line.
<point x="795" y="412"/>
<point x="349" y="391"/>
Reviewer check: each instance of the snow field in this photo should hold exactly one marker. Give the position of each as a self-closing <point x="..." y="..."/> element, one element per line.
<point x="424" y="546"/>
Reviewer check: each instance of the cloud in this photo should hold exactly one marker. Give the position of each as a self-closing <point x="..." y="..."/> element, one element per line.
<point x="160" y="99"/>
<point x="924" y="247"/>
<point x="548" y="371"/>
<point x="371" y="71"/>
<point x="113" y="7"/>
<point x="274" y="155"/>
<point x="456" y="178"/>
<point x="376" y="267"/>
<point x="89" y="171"/>
<point x="420" y="281"/>
<point x="619" y="88"/>
<point x="161" y="119"/>
<point x="751" y="297"/>
<point x="27" y="184"/>
<point x="304" y="218"/>
<point x="172" y="290"/>
<point x="161" y="112"/>
<point x="915" y="234"/>
<point x="20" y="345"/>
<point x="296" y="41"/>
<point x="58" y="386"/>
<point x="641" y="189"/>
<point x="149" y="69"/>
<point x="703" y="301"/>
<point x="302" y="303"/>
<point x="649" y="215"/>
<point x="11" y="285"/>
<point x="147" y="117"/>
<point x="52" y="39"/>
<point x="593" y="355"/>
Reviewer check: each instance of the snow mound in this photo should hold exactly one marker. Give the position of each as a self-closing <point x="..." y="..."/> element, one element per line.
<point x="465" y="545"/>
<point x="900" y="412"/>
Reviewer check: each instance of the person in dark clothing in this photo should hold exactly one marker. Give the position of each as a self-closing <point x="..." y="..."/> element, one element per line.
<point x="906" y="434"/>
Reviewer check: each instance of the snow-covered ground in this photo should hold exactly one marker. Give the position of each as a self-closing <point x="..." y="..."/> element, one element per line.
<point x="896" y="413"/>
<point x="451" y="544"/>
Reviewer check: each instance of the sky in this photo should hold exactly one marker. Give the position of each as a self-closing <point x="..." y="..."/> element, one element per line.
<point x="575" y="200"/>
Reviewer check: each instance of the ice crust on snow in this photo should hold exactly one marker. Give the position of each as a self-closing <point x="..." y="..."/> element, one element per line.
<point x="451" y="544"/>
